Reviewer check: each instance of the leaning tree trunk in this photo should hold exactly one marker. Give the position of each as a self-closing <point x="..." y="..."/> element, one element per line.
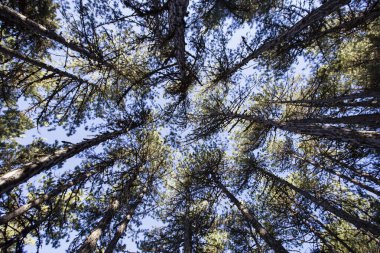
<point x="124" y="224"/>
<point x="89" y="245"/>
<point x="333" y="234"/>
<point x="13" y="178"/>
<point x="369" y="139"/>
<point x="339" y="101"/>
<point x="250" y="217"/>
<point x="62" y="186"/>
<point x="338" y="174"/>
<point x="177" y="26"/>
<point x="370" y="120"/>
<point x="353" y="169"/>
<point x="357" y="222"/>
<point x="9" y="15"/>
<point x="10" y="52"/>
<point x="314" y="16"/>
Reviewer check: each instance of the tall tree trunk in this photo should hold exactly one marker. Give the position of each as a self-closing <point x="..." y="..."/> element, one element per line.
<point x="314" y="16"/>
<point x="13" y="178"/>
<point x="333" y="234"/>
<point x="370" y="120"/>
<point x="62" y="186"/>
<point x="369" y="139"/>
<point x="188" y="233"/>
<point x="307" y="217"/>
<point x="124" y="224"/>
<point x="337" y="173"/>
<point x="250" y="217"/>
<point x="11" y="16"/>
<point x="61" y="73"/>
<point x="340" y="101"/>
<point x="177" y="26"/>
<point x="357" y="222"/>
<point x="89" y="245"/>
<point x="353" y="169"/>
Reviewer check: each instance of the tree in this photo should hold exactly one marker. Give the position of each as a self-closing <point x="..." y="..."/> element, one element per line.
<point x="238" y="126"/>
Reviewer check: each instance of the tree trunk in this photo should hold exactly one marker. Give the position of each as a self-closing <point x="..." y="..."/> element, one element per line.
<point x="177" y="26"/>
<point x="188" y="234"/>
<point x="337" y="173"/>
<point x="62" y="186"/>
<point x="61" y="73"/>
<point x="333" y="234"/>
<point x="353" y="169"/>
<point x="369" y="139"/>
<point x="370" y="120"/>
<point x="124" y="224"/>
<point x="89" y="245"/>
<point x="249" y="216"/>
<point x="13" y="178"/>
<point x="9" y="15"/>
<point x="357" y="222"/>
<point x="314" y="16"/>
<point x="339" y="101"/>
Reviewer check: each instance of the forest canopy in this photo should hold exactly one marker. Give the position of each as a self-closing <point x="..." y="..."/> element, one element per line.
<point x="190" y="126"/>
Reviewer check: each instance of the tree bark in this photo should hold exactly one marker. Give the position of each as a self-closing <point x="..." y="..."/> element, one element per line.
<point x="357" y="222"/>
<point x="62" y="186"/>
<point x="353" y="169"/>
<point x="249" y="216"/>
<point x="124" y="224"/>
<point x="339" y="174"/>
<point x="13" y="178"/>
<point x="370" y="120"/>
<point x="338" y="101"/>
<point x="61" y="73"/>
<point x="318" y="14"/>
<point x="9" y="15"/>
<point x="177" y="26"/>
<point x="369" y="139"/>
<point x="89" y="245"/>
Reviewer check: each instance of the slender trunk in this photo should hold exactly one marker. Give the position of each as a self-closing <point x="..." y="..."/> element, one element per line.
<point x="124" y="224"/>
<point x="353" y="169"/>
<point x="333" y="234"/>
<point x="188" y="245"/>
<point x="309" y="217"/>
<point x="249" y="216"/>
<point x="357" y="222"/>
<point x="339" y="174"/>
<point x="319" y="235"/>
<point x="62" y="186"/>
<point x="13" y="178"/>
<point x="177" y="26"/>
<point x="343" y="100"/>
<point x="314" y="16"/>
<point x="61" y="73"/>
<point x="9" y="15"/>
<point x="89" y="245"/>
<point x="369" y="139"/>
<point x="368" y="103"/>
<point x="7" y="243"/>
<point x="370" y="120"/>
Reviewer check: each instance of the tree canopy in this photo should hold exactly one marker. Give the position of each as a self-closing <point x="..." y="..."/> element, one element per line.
<point x="190" y="126"/>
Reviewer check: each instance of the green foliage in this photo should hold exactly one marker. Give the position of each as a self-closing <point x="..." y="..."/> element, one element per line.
<point x="237" y="126"/>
